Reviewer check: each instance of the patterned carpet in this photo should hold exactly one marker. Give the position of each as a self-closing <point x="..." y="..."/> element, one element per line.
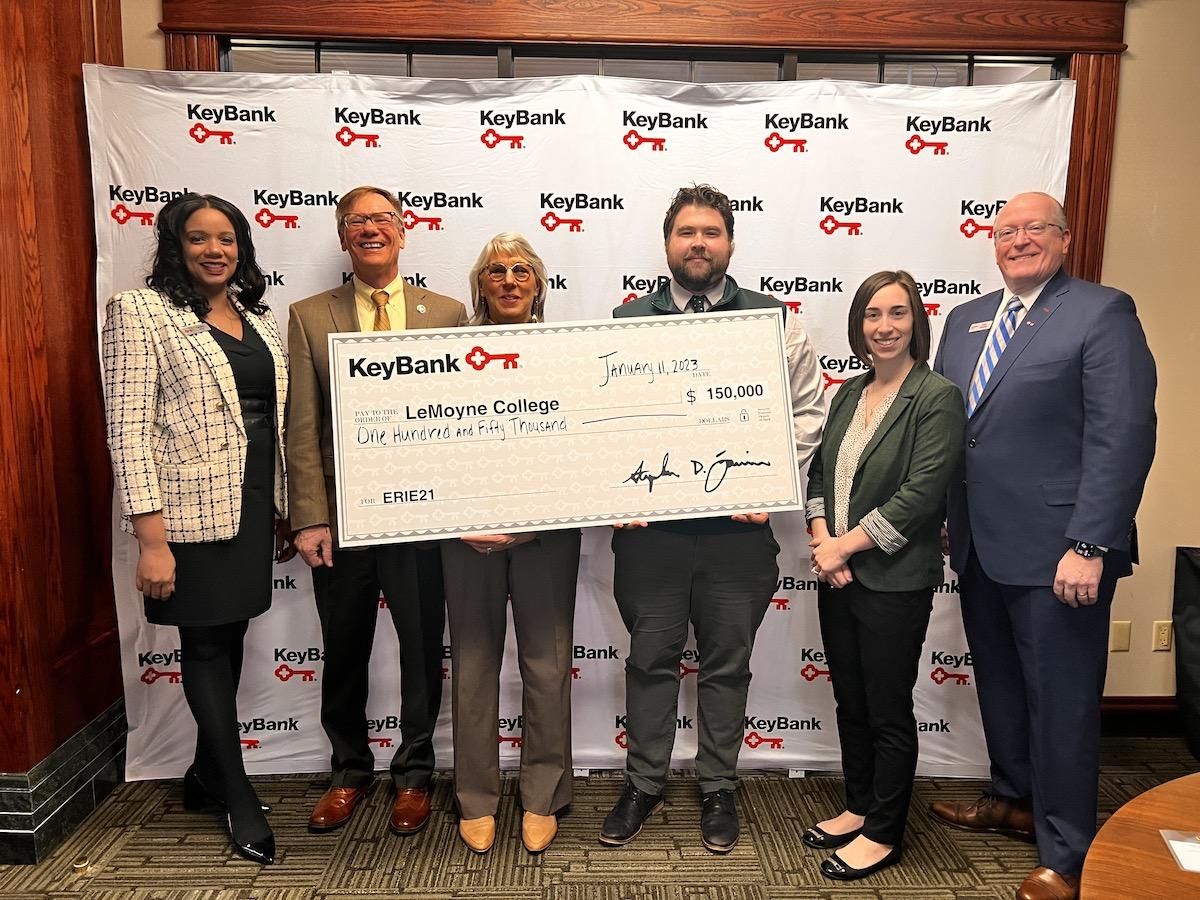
<point x="140" y="844"/>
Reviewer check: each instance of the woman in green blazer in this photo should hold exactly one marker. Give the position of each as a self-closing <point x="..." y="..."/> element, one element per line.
<point x="877" y="489"/>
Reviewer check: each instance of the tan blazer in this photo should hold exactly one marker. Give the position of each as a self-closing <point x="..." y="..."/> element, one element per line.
<point x="175" y="427"/>
<point x="309" y="422"/>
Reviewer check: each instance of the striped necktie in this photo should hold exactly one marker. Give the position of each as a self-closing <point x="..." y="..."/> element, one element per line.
<point x="698" y="304"/>
<point x="382" y="321"/>
<point x="991" y="354"/>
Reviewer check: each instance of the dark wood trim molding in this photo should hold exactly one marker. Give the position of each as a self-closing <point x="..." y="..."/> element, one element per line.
<point x="193" y="52"/>
<point x="1026" y="26"/>
<point x="1139" y="705"/>
<point x="60" y="665"/>
<point x="1096" y="76"/>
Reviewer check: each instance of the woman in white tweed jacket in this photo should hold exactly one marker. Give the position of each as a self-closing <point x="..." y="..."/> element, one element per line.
<point x="196" y="383"/>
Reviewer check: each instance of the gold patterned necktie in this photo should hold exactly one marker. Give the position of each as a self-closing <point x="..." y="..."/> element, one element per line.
<point x="382" y="322"/>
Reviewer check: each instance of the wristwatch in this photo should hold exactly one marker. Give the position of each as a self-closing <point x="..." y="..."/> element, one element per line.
<point x="1088" y="551"/>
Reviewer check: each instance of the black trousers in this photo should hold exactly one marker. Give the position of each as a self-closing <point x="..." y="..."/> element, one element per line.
<point x="873" y="644"/>
<point x="409" y="576"/>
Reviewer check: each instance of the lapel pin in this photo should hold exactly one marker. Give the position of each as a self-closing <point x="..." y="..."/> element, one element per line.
<point x="421" y="308"/>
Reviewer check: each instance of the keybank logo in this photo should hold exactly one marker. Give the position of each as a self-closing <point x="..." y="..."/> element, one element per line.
<point x="982" y="209"/>
<point x="837" y="369"/>
<point x="160" y="665"/>
<point x="919" y="126"/>
<point x="806" y="121"/>
<point x="206" y="116"/>
<point x="286" y="657"/>
<point x="520" y="118"/>
<point x="800" y="284"/>
<point x="950" y="287"/>
<point x="652" y="122"/>
<point x="121" y="195"/>
<point x="269" y="200"/>
<point x="555" y="202"/>
<point x="856" y="207"/>
<point x="368" y="120"/>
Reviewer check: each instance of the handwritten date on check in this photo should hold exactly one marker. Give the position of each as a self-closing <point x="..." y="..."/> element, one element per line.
<point x="439" y="433"/>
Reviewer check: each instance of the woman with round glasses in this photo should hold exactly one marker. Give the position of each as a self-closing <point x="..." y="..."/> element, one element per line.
<point x="536" y="572"/>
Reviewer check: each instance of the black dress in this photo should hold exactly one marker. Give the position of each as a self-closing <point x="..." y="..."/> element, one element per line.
<point x="217" y="582"/>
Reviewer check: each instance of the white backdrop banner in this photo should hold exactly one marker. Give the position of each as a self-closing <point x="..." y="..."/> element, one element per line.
<point x="830" y="181"/>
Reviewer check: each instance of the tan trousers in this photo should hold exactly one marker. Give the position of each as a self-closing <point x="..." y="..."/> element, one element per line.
<point x="539" y="579"/>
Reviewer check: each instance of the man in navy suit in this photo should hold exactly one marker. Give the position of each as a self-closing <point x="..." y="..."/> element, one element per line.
<point x="1059" y="386"/>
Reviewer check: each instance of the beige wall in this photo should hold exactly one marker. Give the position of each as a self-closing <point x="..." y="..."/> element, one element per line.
<point x="1152" y="220"/>
<point x="1152" y="229"/>
<point x="144" y="44"/>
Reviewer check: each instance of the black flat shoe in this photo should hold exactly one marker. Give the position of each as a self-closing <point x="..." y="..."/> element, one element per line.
<point x="820" y="839"/>
<point x="835" y="868"/>
<point x="261" y="851"/>
<point x="195" y="794"/>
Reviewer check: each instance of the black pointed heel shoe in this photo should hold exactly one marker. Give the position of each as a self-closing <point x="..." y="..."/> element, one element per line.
<point x="195" y="794"/>
<point x="260" y="851"/>
<point x="835" y="868"/>
<point x="820" y="839"/>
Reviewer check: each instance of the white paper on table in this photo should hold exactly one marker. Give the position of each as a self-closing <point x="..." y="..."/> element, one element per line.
<point x="1185" y="847"/>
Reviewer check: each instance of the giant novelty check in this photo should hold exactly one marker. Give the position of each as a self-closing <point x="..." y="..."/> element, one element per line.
<point x="446" y="432"/>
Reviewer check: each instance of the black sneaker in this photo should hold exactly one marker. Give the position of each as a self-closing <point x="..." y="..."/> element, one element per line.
<point x="719" y="821"/>
<point x="624" y="821"/>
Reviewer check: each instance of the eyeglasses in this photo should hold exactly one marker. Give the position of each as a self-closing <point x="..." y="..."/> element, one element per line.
<point x="497" y="272"/>
<point x="355" y="221"/>
<point x="1033" y="230"/>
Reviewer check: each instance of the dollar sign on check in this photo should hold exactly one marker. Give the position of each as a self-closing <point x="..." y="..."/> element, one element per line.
<point x="691" y="396"/>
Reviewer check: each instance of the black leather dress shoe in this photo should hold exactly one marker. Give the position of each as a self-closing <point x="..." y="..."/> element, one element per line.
<point x="820" y="839"/>
<point x="624" y="821"/>
<point x="261" y="851"/>
<point x="719" y="821"/>
<point x="837" y="870"/>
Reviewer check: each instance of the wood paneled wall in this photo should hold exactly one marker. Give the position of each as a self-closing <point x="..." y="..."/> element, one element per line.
<point x="1090" y="32"/>
<point x="59" y="663"/>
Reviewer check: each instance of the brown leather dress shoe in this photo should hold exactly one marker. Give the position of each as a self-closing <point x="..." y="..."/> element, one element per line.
<point x="478" y="834"/>
<point x="335" y="808"/>
<point x="410" y="811"/>
<point x="538" y="831"/>
<point x="1046" y="884"/>
<point x="989" y="813"/>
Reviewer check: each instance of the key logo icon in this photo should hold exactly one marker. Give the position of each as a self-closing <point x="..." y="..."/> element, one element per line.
<point x="346" y="137"/>
<point x="811" y="673"/>
<point x="492" y="139"/>
<point x="201" y="133"/>
<point x="829" y="225"/>
<point x="633" y="140"/>
<point x="411" y="220"/>
<point x="552" y="220"/>
<point x="266" y="218"/>
<point x="754" y="740"/>
<point x="916" y="144"/>
<point x="776" y="142"/>
<point x="970" y="228"/>
<point x="122" y="214"/>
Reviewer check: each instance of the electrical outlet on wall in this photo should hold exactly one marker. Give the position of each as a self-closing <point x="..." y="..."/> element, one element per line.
<point x="1162" y="636"/>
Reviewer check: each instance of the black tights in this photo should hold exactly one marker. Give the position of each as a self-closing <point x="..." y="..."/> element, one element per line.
<point x="212" y="667"/>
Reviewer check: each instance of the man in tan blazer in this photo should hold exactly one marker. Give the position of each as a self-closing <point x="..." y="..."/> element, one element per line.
<point x="347" y="583"/>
